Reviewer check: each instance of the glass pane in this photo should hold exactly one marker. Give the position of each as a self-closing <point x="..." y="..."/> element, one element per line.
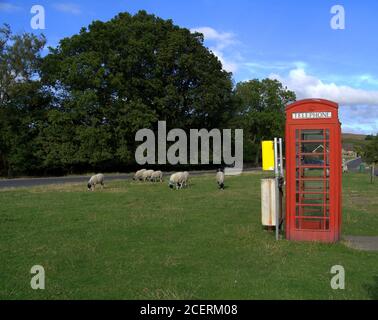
<point x="314" y="160"/>
<point x="312" y="224"/>
<point x="312" y="186"/>
<point x="314" y="147"/>
<point x="312" y="198"/>
<point x="308" y="173"/>
<point x="312" y="174"/>
<point x="311" y="210"/>
<point x="312" y="135"/>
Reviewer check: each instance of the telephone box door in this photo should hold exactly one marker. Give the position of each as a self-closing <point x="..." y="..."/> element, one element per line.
<point x="313" y="195"/>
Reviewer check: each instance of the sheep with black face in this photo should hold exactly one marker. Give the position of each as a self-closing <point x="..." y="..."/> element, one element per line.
<point x="94" y="180"/>
<point x="177" y="180"/>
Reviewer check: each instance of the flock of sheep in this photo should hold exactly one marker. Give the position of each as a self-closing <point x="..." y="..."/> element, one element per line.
<point x="178" y="180"/>
<point x="148" y="175"/>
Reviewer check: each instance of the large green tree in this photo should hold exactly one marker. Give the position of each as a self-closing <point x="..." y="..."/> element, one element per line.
<point x="22" y="100"/>
<point x="370" y="154"/>
<point x="261" y="113"/>
<point x="116" y="77"/>
<point x="371" y="150"/>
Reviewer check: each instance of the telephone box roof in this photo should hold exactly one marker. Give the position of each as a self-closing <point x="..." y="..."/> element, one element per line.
<point x="309" y="101"/>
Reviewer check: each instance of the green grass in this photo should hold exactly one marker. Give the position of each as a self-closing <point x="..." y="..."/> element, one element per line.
<point x="145" y="241"/>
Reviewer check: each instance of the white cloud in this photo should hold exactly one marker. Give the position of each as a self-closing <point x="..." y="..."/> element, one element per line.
<point x="265" y="65"/>
<point x="221" y="39"/>
<point x="8" y="7"/>
<point x="358" y="107"/>
<point x="67" y="8"/>
<point x="228" y="65"/>
<point x="359" y="119"/>
<point x="308" y="86"/>
<point x="367" y="79"/>
<point x="220" y="43"/>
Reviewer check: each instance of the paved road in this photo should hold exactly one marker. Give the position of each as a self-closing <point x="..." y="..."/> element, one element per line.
<point x="354" y="164"/>
<point x="32" y="182"/>
<point x="362" y="243"/>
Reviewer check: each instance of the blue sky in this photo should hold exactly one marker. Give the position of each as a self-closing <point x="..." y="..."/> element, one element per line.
<point x="289" y="40"/>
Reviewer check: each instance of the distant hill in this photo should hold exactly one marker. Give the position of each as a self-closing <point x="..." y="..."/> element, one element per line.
<point x="354" y="137"/>
<point x="350" y="141"/>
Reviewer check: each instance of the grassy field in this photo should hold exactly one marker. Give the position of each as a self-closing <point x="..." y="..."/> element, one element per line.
<point x="145" y="241"/>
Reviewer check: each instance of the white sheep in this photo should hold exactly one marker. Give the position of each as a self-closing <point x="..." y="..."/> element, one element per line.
<point x="220" y="179"/>
<point x="186" y="179"/>
<point x="177" y="180"/>
<point x="138" y="174"/>
<point x="96" y="179"/>
<point x="157" y="176"/>
<point x="146" y="175"/>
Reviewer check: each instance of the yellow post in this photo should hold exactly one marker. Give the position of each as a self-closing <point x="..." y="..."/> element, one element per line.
<point x="268" y="155"/>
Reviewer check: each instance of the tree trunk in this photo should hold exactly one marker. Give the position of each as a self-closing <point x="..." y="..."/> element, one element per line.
<point x="4" y="170"/>
<point x="372" y="172"/>
<point x="10" y="173"/>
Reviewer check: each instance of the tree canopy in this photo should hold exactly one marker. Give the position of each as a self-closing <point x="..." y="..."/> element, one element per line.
<point x="78" y="108"/>
<point x="116" y="77"/>
<point x="261" y="113"/>
<point x="371" y="150"/>
<point x="22" y="100"/>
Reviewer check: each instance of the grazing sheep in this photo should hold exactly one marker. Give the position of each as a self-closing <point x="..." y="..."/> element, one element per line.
<point x="186" y="179"/>
<point x="220" y="179"/>
<point x="176" y="180"/>
<point x="96" y="179"/>
<point x="157" y="176"/>
<point x="138" y="174"/>
<point x="146" y="175"/>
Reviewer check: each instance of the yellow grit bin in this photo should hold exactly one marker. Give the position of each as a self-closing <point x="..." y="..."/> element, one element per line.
<point x="268" y="155"/>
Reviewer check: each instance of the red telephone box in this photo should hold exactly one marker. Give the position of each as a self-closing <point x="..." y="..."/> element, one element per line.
<point x="313" y="171"/>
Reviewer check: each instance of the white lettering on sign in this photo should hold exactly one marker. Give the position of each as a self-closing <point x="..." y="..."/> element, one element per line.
<point x="312" y="115"/>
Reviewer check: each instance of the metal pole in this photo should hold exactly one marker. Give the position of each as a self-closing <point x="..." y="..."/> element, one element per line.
<point x="281" y="218"/>
<point x="276" y="173"/>
<point x="275" y="157"/>
<point x="281" y="160"/>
